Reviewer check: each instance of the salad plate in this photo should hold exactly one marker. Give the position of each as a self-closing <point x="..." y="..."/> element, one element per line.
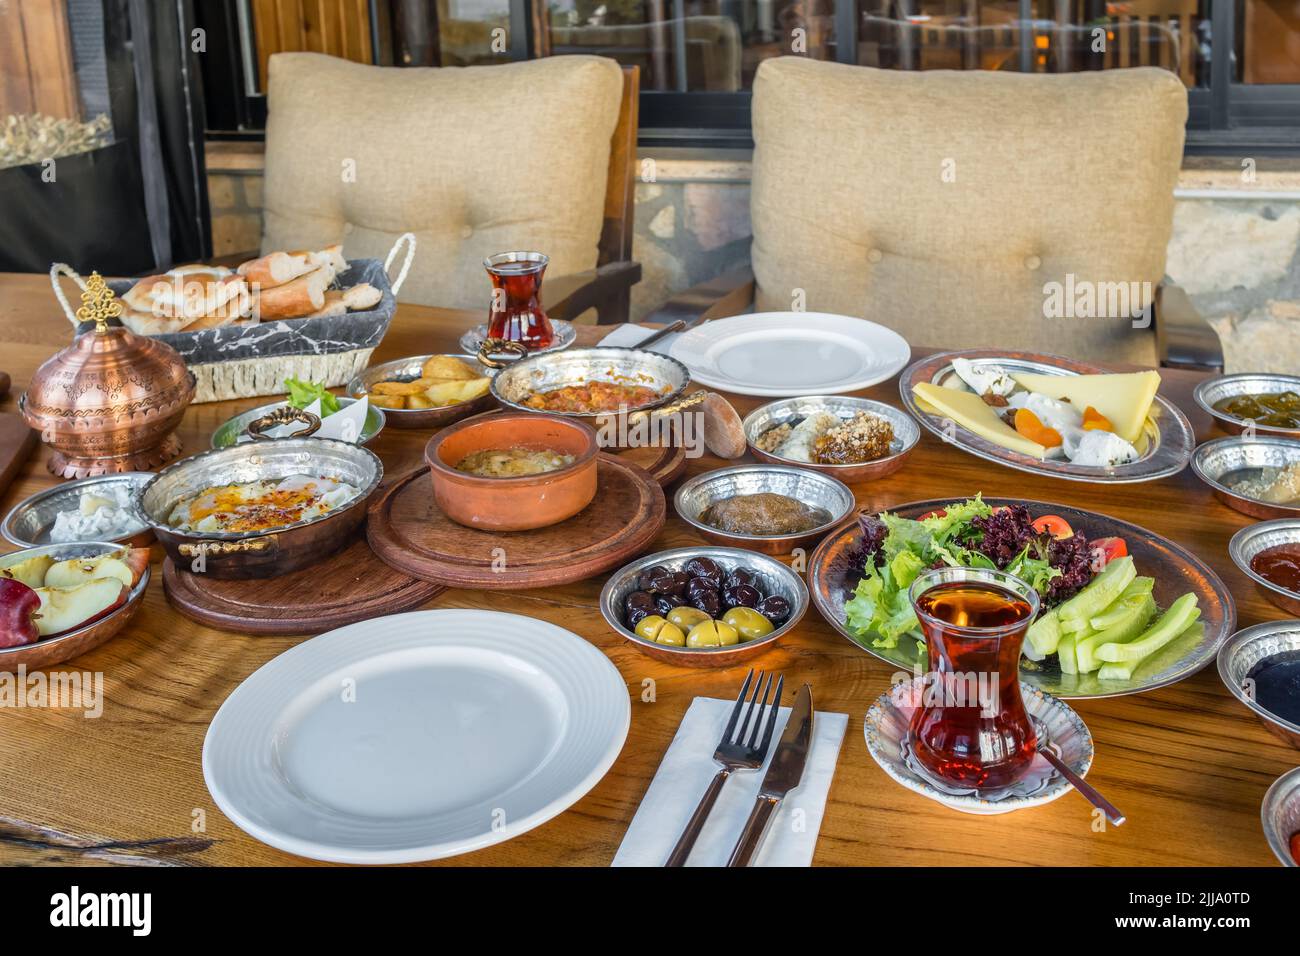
<point x="835" y="571"/>
<point x="788" y="354"/>
<point x="1164" y="444"/>
<point x="416" y="737"/>
<point x="886" y="729"/>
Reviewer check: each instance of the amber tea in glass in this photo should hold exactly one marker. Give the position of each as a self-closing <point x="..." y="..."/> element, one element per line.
<point x="515" y="314"/>
<point x="971" y="729"/>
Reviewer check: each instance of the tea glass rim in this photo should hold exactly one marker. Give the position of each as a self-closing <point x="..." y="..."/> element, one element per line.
<point x="496" y="260"/>
<point x="927" y="580"/>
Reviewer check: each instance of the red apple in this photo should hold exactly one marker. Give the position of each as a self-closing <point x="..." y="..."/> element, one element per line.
<point x="63" y="609"/>
<point x="18" y="606"/>
<point x="137" y="559"/>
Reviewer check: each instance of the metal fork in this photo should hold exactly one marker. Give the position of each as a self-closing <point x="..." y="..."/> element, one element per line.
<point x="734" y="754"/>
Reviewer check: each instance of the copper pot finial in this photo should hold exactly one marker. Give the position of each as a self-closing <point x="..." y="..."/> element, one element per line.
<point x="110" y="401"/>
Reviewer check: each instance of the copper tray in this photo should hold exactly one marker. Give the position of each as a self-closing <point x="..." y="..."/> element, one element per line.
<point x="408" y="532"/>
<point x="1175" y="569"/>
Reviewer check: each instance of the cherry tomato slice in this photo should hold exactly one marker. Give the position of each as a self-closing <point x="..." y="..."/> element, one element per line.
<point x="1108" y="549"/>
<point x="936" y="513"/>
<point x="1054" y="525"/>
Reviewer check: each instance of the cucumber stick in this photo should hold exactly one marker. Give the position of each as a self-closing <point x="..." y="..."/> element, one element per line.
<point x="1181" y="615"/>
<point x="1044" y="634"/>
<point x="1065" y="654"/>
<point x="1138" y="588"/>
<point x="1139" y="616"/>
<point x="1101" y="592"/>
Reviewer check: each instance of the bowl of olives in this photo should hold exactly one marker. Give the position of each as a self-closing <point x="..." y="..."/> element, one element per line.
<point x="704" y="607"/>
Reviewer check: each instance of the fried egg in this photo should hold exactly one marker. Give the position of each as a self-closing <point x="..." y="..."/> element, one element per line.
<point x="260" y="505"/>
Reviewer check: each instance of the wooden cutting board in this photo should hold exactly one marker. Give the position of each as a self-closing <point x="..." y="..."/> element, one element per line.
<point x="16" y="444"/>
<point x="351" y="586"/>
<point x="408" y="531"/>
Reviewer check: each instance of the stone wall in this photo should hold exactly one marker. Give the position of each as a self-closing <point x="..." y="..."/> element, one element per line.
<point x="1235" y="247"/>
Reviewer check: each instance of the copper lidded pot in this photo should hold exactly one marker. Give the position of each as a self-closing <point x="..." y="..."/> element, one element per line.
<point x="110" y="401"/>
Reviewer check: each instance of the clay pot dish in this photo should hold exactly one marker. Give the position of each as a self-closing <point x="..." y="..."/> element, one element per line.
<point x="513" y="504"/>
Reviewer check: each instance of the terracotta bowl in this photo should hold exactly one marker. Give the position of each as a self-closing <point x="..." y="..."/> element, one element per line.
<point x="513" y="504"/>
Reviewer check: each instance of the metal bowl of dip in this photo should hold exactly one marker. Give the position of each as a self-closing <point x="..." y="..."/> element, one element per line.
<point x="1226" y="464"/>
<point x="31" y="521"/>
<point x="520" y="380"/>
<point x="1245" y="650"/>
<point x="1210" y="392"/>
<point x="791" y="410"/>
<point x="1250" y="541"/>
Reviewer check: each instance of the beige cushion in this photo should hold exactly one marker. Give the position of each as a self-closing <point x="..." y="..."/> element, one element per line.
<point x="1054" y="175"/>
<point x="473" y="160"/>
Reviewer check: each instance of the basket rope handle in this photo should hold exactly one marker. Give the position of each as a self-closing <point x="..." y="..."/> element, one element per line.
<point x="63" y="269"/>
<point x="407" y="239"/>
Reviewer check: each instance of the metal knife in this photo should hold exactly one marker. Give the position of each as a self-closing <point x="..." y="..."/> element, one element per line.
<point x="783" y="774"/>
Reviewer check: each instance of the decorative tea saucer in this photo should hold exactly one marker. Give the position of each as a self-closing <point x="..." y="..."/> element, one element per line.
<point x="565" y="335"/>
<point x="886" y="727"/>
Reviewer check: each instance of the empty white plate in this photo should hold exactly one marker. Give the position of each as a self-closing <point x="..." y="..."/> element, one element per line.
<point x="416" y="736"/>
<point x="791" y="353"/>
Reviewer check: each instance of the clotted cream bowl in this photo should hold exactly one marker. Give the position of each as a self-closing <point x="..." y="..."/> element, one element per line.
<point x="275" y="550"/>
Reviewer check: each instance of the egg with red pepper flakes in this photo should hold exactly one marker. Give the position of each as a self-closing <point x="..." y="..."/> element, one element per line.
<point x="260" y="505"/>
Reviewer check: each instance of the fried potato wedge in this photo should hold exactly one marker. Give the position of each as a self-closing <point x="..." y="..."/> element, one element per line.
<point x="387" y="401"/>
<point x="451" y="393"/>
<point x="442" y="368"/>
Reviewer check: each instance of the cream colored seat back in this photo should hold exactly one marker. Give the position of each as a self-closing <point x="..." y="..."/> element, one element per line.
<point x="968" y="209"/>
<point x="473" y="160"/>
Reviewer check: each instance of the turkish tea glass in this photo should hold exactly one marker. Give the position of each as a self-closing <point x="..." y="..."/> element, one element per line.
<point x="970" y="729"/>
<point x="516" y="312"/>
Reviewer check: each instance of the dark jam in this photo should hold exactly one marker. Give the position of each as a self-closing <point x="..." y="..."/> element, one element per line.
<point x="1274" y="684"/>
<point x="1279" y="565"/>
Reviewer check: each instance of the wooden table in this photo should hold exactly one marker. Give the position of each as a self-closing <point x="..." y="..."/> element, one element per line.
<point x="1188" y="764"/>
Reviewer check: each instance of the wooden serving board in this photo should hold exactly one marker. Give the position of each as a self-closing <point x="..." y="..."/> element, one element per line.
<point x="351" y="586"/>
<point x="408" y="531"/>
<point x="664" y="464"/>
<point x="16" y="443"/>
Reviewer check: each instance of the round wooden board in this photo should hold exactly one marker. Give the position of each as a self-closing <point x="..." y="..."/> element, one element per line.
<point x="665" y="464"/>
<point x="351" y="586"/>
<point x="407" y="530"/>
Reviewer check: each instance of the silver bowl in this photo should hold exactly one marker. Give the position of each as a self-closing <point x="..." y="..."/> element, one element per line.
<point x="1243" y="651"/>
<point x="1251" y="540"/>
<point x="906" y="432"/>
<point x="408" y="370"/>
<point x="273" y="551"/>
<point x="775" y="578"/>
<point x="57" y="648"/>
<point x="1280" y="814"/>
<point x="1216" y="389"/>
<point x="623" y="366"/>
<point x="1222" y="462"/>
<point x="230" y="430"/>
<point x="811" y="487"/>
<point x="29" y="522"/>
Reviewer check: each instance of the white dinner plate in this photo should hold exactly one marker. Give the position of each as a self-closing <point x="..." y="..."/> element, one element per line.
<point x="416" y="736"/>
<point x="780" y="354"/>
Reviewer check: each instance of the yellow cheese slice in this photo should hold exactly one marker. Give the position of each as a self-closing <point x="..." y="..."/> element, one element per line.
<point x="1123" y="397"/>
<point x="970" y="412"/>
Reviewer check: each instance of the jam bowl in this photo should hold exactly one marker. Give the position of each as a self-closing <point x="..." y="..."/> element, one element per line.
<point x="271" y="551"/>
<point x="1250" y="541"/>
<point x="1245" y="651"/>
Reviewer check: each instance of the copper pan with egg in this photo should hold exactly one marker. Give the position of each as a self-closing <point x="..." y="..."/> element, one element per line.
<point x="277" y="548"/>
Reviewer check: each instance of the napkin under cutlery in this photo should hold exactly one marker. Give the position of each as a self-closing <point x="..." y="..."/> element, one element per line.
<point x="688" y="767"/>
<point x="630" y="334"/>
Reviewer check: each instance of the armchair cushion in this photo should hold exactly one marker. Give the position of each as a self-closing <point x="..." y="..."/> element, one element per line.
<point x="473" y="160"/>
<point x="943" y="204"/>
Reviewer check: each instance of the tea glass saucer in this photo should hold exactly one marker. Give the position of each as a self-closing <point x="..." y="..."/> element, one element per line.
<point x="565" y="335"/>
<point x="886" y="729"/>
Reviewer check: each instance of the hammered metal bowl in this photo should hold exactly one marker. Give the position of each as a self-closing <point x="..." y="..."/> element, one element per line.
<point x="275" y="551"/>
<point x="1247" y="648"/>
<point x="1250" y="541"/>
<point x="408" y="370"/>
<point x="63" y="647"/>
<point x="29" y="522"/>
<point x="230" y="430"/>
<point x="1280" y="814"/>
<point x="775" y="578"/>
<point x="1222" y="462"/>
<point x="1216" y="389"/>
<point x="622" y="366"/>
<point x="812" y="488"/>
<point x="906" y="432"/>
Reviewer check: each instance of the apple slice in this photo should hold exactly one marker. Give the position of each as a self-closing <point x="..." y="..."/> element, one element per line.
<point x="31" y="572"/>
<point x="127" y="565"/>
<point x="63" y="609"/>
<point x="18" y="606"/>
<point x="137" y="559"/>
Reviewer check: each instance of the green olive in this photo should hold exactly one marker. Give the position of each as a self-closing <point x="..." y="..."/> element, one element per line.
<point x="672" y="635"/>
<point x="649" y="626"/>
<point x="712" y="634"/>
<point x="686" y="617"/>
<point x="748" y="622"/>
<point x="655" y="628"/>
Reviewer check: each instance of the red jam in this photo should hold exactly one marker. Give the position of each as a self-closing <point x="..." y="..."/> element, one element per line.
<point x="1279" y="565"/>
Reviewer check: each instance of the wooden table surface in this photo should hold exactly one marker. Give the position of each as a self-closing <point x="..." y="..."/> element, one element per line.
<point x="1188" y="764"/>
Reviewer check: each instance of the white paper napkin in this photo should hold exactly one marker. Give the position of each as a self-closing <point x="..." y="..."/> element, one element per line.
<point x="685" y="773"/>
<point x="630" y="334"/>
<point x="344" y="425"/>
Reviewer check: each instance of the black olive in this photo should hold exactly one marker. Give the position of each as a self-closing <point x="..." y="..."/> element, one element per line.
<point x="742" y="576"/>
<point x="661" y="582"/>
<point x="705" y="568"/>
<point x="643" y="580"/>
<point x="666" y="602"/>
<point x="775" y="608"/>
<point x="708" y="601"/>
<point x="742" y="595"/>
<point x="638" y="599"/>
<point x="700" y="586"/>
<point x="636" y="614"/>
<point x="680" y="582"/>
